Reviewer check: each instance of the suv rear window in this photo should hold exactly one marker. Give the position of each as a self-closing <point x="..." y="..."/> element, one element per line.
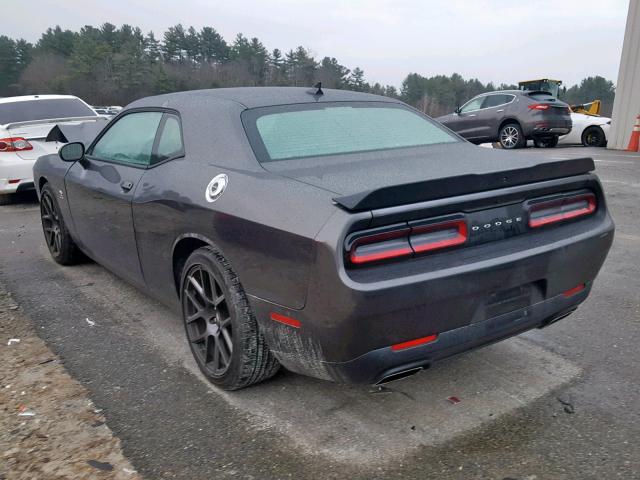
<point x="28" y="110"/>
<point x="311" y="130"/>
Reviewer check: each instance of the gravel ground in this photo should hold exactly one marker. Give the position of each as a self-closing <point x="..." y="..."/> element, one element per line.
<point x="49" y="428"/>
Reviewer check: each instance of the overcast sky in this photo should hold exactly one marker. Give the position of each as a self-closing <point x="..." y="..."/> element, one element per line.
<point x="492" y="40"/>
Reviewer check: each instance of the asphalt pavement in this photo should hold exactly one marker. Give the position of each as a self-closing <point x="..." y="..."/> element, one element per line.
<point x="558" y="403"/>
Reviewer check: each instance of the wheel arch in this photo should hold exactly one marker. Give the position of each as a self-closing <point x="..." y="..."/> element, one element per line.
<point x="507" y="121"/>
<point x="184" y="246"/>
<point x="41" y="183"/>
<point x="592" y="126"/>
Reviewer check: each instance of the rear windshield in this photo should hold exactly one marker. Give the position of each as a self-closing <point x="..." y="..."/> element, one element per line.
<point x="28" y="110"/>
<point x="311" y="130"/>
<point x="542" y="97"/>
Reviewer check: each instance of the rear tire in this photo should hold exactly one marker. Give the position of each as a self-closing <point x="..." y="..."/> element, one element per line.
<point x="6" y="199"/>
<point x="221" y="329"/>
<point x="58" y="239"/>
<point x="511" y="137"/>
<point x="593" y="137"/>
<point x="547" y="142"/>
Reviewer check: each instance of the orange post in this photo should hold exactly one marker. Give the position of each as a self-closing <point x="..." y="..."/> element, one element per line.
<point x="634" y="141"/>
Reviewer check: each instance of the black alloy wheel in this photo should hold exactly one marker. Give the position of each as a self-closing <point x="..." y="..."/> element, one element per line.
<point x="593" y="137"/>
<point x="221" y="328"/>
<point x="58" y="239"/>
<point x="208" y="321"/>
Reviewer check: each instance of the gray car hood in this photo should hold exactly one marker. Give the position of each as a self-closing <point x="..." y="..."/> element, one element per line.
<point x="370" y="180"/>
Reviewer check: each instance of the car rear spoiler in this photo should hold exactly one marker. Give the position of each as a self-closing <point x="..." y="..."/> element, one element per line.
<point x="26" y="123"/>
<point x="83" y="132"/>
<point x="462" y="184"/>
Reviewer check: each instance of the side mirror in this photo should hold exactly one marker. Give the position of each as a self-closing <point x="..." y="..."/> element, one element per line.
<point x="457" y="110"/>
<point x="72" y="152"/>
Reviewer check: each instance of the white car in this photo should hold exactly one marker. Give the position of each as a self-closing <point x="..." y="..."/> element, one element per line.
<point x="24" y="124"/>
<point x="588" y="130"/>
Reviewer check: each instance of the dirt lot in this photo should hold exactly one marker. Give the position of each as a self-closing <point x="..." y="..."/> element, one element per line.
<point x="49" y="428"/>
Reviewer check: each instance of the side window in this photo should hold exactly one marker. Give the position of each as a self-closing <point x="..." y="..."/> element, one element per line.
<point x="129" y="139"/>
<point x="170" y="139"/>
<point x="495" y="100"/>
<point x="472" y="105"/>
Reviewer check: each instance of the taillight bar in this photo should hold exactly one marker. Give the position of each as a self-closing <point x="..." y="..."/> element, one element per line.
<point x="539" y="106"/>
<point x="14" y="144"/>
<point x="402" y="240"/>
<point x="561" y="209"/>
<point x="438" y="235"/>
<point x="381" y="246"/>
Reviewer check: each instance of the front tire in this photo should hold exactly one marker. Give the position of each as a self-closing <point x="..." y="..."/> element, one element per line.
<point x="61" y="246"/>
<point x="546" y="142"/>
<point x="510" y="136"/>
<point x="593" y="137"/>
<point x="221" y="329"/>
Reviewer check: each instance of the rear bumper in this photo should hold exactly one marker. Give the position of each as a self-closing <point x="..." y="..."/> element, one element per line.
<point x="16" y="174"/>
<point x="382" y="363"/>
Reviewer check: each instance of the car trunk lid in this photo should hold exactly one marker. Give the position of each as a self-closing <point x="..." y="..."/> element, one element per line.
<point x="372" y="180"/>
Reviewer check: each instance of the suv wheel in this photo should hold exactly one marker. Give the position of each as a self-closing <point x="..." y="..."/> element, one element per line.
<point x="511" y="136"/>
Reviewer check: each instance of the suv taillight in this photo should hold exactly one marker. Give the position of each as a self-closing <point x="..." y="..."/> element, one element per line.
<point x="14" y="144"/>
<point x="539" y="106"/>
<point x="561" y="209"/>
<point x="403" y="240"/>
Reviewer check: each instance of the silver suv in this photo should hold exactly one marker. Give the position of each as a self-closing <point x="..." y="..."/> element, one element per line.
<point x="511" y="117"/>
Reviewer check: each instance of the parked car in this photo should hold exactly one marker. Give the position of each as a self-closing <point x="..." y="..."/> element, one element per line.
<point x="343" y="235"/>
<point x="24" y="124"/>
<point x="511" y="117"/>
<point x="588" y="130"/>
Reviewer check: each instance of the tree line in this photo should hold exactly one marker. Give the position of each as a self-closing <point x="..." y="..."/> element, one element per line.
<point x="113" y="66"/>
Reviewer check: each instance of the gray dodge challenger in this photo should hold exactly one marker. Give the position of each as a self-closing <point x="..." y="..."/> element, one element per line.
<point x="342" y="235"/>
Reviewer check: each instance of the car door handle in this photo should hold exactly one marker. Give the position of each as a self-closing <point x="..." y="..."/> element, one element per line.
<point x="472" y="115"/>
<point x="126" y="186"/>
<point x="501" y="110"/>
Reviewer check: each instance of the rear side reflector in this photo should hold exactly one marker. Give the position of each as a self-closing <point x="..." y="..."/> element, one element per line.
<point x="572" y="291"/>
<point x="559" y="210"/>
<point x="17" y="180"/>
<point x="14" y="144"/>
<point x="292" y="322"/>
<point x="439" y="235"/>
<point x="414" y="343"/>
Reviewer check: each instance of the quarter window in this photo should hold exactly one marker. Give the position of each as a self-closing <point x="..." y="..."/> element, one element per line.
<point x="130" y="139"/>
<point x="170" y="141"/>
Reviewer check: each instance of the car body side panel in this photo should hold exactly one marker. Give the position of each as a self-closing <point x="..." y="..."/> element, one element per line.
<point x="264" y="224"/>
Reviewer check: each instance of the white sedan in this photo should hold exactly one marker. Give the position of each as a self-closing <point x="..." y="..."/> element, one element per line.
<point x="588" y="130"/>
<point x="24" y="124"/>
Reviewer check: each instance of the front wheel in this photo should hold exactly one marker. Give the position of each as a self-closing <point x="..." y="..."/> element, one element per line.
<point x="546" y="142"/>
<point x="593" y="137"/>
<point x="61" y="246"/>
<point x="221" y="328"/>
<point x="510" y="136"/>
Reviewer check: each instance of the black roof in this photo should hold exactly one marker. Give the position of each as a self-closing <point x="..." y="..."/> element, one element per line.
<point x="253" y="97"/>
